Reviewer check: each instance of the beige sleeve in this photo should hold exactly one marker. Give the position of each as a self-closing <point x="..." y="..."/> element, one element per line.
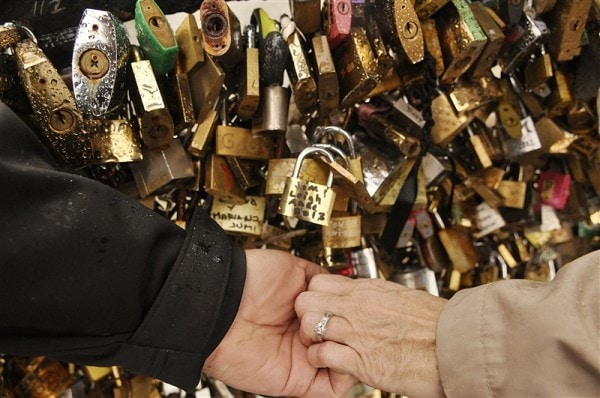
<point x="521" y="338"/>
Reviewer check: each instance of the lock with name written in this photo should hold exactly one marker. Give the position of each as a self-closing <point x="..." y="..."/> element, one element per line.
<point x="306" y="200"/>
<point x="155" y="36"/>
<point x="244" y="219"/>
<point x="156" y="123"/>
<point x="279" y="170"/>
<point x="53" y="106"/>
<point x="99" y="63"/>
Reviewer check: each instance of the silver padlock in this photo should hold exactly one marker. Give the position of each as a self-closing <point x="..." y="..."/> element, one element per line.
<point x="99" y="63"/>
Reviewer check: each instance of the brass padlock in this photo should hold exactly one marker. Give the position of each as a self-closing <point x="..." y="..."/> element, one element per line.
<point x="427" y="8"/>
<point x="179" y="98"/>
<point x="99" y="63"/>
<point x="160" y="170"/>
<point x="114" y="140"/>
<point x="385" y="62"/>
<point x="53" y="106"/>
<point x="206" y="81"/>
<point x="357" y="69"/>
<point x="495" y="39"/>
<point x="400" y="27"/>
<point x="41" y="377"/>
<point x="461" y="37"/>
<point x="307" y="15"/>
<point x="245" y="219"/>
<point x="249" y="91"/>
<point x="188" y="37"/>
<point x="448" y="124"/>
<point x="156" y="124"/>
<point x="473" y="94"/>
<point x="220" y="182"/>
<point x="538" y="70"/>
<point x="306" y="200"/>
<point x="560" y="98"/>
<point x="240" y="142"/>
<point x="327" y="80"/>
<point x="568" y="20"/>
<point x="247" y="172"/>
<point x="304" y="87"/>
<point x="203" y="132"/>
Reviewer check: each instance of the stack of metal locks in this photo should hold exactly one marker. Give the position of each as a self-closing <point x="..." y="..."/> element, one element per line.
<point x="303" y="132"/>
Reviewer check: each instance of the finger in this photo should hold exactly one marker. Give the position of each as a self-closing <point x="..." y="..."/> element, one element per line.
<point x="337" y="329"/>
<point x="319" y="302"/>
<point x="328" y="383"/>
<point x="311" y="269"/>
<point x="334" y="284"/>
<point x="338" y="357"/>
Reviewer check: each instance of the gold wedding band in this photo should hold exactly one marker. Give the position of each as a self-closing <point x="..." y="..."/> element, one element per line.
<point x="322" y="326"/>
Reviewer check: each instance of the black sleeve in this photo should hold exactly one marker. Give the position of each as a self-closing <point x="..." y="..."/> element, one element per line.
<point x="90" y="276"/>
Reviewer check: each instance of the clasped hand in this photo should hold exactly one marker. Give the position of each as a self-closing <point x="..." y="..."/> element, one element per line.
<point x="381" y="333"/>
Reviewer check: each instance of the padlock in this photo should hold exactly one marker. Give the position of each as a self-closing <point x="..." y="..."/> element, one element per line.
<point x="249" y="89"/>
<point x="40" y="377"/>
<point x="432" y="44"/>
<point x="274" y="54"/>
<point x="336" y="21"/>
<point x="220" y="182"/>
<point x="244" y="219"/>
<point x="531" y="34"/>
<point x="247" y="172"/>
<point x="513" y="188"/>
<point x="510" y="119"/>
<point x="495" y="39"/>
<point x="307" y="15"/>
<point x="554" y="184"/>
<point x="400" y="27"/>
<point x="99" y="63"/>
<point x="412" y="272"/>
<point x="341" y="199"/>
<point x="377" y="124"/>
<point x="356" y="67"/>
<point x="214" y="20"/>
<point x="305" y="200"/>
<point x="9" y="36"/>
<point x="280" y="169"/>
<point x="538" y="70"/>
<point x="206" y="81"/>
<point x="327" y="81"/>
<point x="560" y="98"/>
<point x="161" y="170"/>
<point x="202" y="134"/>
<point x="364" y="261"/>
<point x="426" y="8"/>
<point x="240" y="142"/>
<point x="568" y="20"/>
<point x="461" y="37"/>
<point x="473" y="94"/>
<point x="188" y="37"/>
<point x="457" y="242"/>
<point x="480" y="148"/>
<point x="114" y="140"/>
<point x="385" y="62"/>
<point x="155" y="36"/>
<point x="304" y="87"/>
<point x="474" y="182"/>
<point x="179" y="99"/>
<point x="528" y="142"/>
<point x="156" y="123"/>
<point x="447" y="123"/>
<point x="233" y="57"/>
<point x="530" y="101"/>
<point x="53" y="105"/>
<point x="354" y="161"/>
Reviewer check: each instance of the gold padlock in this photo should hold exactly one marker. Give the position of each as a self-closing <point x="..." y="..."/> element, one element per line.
<point x="305" y="200"/>
<point x="568" y="20"/>
<point x="327" y="80"/>
<point x="495" y="39"/>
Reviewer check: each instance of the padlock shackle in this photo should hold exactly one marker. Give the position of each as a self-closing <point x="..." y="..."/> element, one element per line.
<point x="321" y="131"/>
<point x="338" y="151"/>
<point x="313" y="150"/>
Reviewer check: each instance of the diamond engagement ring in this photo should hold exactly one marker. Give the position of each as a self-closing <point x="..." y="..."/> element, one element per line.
<point x="322" y="326"/>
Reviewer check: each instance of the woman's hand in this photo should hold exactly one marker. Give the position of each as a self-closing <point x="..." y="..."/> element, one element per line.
<point x="382" y="333"/>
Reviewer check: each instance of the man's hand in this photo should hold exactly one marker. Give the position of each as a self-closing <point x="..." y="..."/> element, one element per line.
<point x="262" y="352"/>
